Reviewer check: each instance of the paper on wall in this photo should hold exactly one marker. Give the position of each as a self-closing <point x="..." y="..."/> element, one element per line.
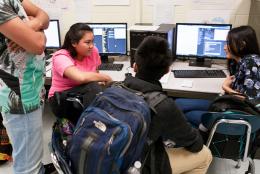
<point x="175" y="2"/>
<point x="82" y="10"/>
<point x="111" y="2"/>
<point x="54" y="8"/>
<point x="163" y="12"/>
<point x="213" y="4"/>
<point x="209" y="16"/>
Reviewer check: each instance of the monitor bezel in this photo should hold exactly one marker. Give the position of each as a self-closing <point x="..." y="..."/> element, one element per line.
<point x="111" y="23"/>
<point x="58" y="27"/>
<point x="178" y="56"/>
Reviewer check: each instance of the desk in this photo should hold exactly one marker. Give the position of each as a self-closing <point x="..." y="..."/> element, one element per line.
<point x="201" y="87"/>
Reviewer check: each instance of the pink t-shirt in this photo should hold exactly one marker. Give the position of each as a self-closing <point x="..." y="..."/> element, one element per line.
<point x="62" y="60"/>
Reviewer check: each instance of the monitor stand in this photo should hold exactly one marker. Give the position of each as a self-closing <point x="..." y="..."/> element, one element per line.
<point x="201" y="62"/>
<point x="105" y="59"/>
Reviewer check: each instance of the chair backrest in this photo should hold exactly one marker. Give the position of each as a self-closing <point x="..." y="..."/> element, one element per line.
<point x="210" y="118"/>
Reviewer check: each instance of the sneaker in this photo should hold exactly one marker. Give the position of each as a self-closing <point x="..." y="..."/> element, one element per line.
<point x="49" y="169"/>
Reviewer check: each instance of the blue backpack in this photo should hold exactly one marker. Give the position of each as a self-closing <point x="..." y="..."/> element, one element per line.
<point x="110" y="134"/>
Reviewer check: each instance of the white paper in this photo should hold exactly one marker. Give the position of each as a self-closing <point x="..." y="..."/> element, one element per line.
<point x="174" y="2"/>
<point x="163" y="12"/>
<point x="148" y="2"/>
<point x="54" y="8"/>
<point x="111" y="2"/>
<point x="187" y="83"/>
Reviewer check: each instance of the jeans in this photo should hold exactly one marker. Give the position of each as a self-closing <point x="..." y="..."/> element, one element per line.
<point x="25" y="133"/>
<point x="193" y="109"/>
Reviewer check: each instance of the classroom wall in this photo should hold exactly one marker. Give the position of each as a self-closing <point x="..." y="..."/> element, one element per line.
<point x="235" y="12"/>
<point x="254" y="17"/>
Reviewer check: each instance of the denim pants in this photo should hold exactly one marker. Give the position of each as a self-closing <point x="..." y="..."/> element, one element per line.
<point x="25" y="133"/>
<point x="193" y="109"/>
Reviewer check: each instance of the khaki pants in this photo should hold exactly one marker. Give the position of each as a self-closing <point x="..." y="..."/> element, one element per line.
<point x="185" y="162"/>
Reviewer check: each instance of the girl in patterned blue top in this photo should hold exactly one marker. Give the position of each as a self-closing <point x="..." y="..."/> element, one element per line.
<point x="243" y="48"/>
<point x="242" y="52"/>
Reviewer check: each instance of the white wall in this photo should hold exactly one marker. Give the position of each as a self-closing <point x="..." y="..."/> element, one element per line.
<point x="235" y="12"/>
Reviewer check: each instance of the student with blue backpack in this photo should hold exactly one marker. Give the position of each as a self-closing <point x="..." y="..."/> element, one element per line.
<point x="178" y="146"/>
<point x="131" y="122"/>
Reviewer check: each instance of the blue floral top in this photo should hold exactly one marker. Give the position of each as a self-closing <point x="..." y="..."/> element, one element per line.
<point x="247" y="78"/>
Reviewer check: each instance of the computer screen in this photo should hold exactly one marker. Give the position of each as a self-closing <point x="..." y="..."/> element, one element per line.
<point x="201" y="41"/>
<point x="52" y="34"/>
<point x="110" y="39"/>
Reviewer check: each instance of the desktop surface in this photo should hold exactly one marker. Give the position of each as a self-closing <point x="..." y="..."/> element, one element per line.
<point x="194" y="87"/>
<point x="177" y="87"/>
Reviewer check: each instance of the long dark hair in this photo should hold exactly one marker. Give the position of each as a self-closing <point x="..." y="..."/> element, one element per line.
<point x="75" y="33"/>
<point x="242" y="41"/>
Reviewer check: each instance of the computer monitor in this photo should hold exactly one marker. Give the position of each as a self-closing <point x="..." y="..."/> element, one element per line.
<point x="110" y="39"/>
<point x="201" y="41"/>
<point x="52" y="34"/>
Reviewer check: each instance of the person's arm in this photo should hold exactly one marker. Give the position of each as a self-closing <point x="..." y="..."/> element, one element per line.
<point x="81" y="77"/>
<point x="39" y="20"/>
<point x="171" y="124"/>
<point x="24" y="36"/>
<point x="226" y="86"/>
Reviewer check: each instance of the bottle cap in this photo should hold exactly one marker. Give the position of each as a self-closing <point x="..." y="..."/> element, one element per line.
<point x="137" y="164"/>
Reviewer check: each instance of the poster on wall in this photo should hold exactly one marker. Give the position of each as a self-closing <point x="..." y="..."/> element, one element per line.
<point x="111" y="2"/>
<point x="175" y="2"/>
<point x="83" y="10"/>
<point x="162" y="9"/>
<point x="206" y="11"/>
<point x="54" y="8"/>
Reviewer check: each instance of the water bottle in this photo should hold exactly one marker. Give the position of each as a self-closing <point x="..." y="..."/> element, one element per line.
<point x="136" y="169"/>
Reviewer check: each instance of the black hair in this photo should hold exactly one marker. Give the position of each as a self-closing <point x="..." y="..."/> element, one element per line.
<point x="153" y="57"/>
<point x="75" y="33"/>
<point x="242" y="41"/>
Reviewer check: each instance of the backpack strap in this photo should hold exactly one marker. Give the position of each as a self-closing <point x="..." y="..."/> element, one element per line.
<point x="122" y="85"/>
<point x="154" y="98"/>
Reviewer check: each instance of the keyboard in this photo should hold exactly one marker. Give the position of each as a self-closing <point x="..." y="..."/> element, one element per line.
<point x="111" y="66"/>
<point x="199" y="73"/>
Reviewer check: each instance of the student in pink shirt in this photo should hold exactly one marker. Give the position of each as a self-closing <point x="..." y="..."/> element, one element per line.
<point x="76" y="63"/>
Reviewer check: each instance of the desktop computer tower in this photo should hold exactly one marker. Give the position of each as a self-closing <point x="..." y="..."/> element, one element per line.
<point x="136" y="37"/>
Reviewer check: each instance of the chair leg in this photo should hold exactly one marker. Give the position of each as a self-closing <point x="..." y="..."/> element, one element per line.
<point x="251" y="167"/>
<point x="238" y="164"/>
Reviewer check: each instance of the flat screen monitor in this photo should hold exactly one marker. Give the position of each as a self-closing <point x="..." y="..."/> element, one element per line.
<point x="201" y="41"/>
<point x="110" y="39"/>
<point x="52" y="34"/>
